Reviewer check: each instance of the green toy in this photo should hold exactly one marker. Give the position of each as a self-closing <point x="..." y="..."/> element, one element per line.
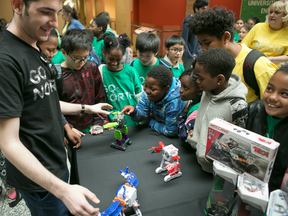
<point x="120" y="133"/>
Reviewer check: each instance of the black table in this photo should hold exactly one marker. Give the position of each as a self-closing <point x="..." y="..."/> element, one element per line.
<point x="98" y="166"/>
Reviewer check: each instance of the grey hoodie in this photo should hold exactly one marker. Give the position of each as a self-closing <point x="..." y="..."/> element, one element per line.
<point x="230" y="105"/>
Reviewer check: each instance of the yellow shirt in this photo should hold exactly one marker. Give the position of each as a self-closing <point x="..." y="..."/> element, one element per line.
<point x="263" y="70"/>
<point x="270" y="43"/>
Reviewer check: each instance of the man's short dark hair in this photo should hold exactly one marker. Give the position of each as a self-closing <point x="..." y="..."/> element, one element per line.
<point x="161" y="73"/>
<point x="101" y="22"/>
<point x="199" y="4"/>
<point x="214" y="22"/>
<point x="105" y="15"/>
<point x="174" y="39"/>
<point x="217" y="61"/>
<point x="27" y="2"/>
<point x="76" y="39"/>
<point x="146" y="42"/>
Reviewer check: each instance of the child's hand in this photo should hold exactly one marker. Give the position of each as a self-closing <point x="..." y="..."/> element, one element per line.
<point x="186" y="109"/>
<point x="73" y="137"/>
<point x="128" y="110"/>
<point x="96" y="129"/>
<point x="78" y="132"/>
<point x="190" y="133"/>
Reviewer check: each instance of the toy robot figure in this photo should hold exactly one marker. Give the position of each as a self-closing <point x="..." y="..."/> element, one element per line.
<point x="126" y="196"/>
<point x="120" y="133"/>
<point x="170" y="161"/>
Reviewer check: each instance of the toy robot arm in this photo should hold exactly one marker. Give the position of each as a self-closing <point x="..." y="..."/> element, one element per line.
<point x="157" y="149"/>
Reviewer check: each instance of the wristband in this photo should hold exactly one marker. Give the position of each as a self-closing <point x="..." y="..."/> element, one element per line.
<point x="270" y="59"/>
<point x="82" y="108"/>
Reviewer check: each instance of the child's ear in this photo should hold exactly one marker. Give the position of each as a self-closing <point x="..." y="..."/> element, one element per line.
<point x="226" y="37"/>
<point x="63" y="51"/>
<point x="167" y="89"/>
<point x="100" y="28"/>
<point x="221" y="79"/>
<point x="166" y="49"/>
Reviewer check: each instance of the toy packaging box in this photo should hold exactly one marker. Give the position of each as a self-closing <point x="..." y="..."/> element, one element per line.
<point x="241" y="150"/>
<point x="278" y="204"/>
<point x="253" y="192"/>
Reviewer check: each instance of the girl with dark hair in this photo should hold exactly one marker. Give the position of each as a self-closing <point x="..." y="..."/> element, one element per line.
<point x="237" y="25"/>
<point x="70" y="16"/>
<point x="121" y="81"/>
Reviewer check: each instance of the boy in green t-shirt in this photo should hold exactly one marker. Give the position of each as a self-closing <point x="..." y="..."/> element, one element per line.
<point x="147" y="46"/>
<point x="98" y="28"/>
<point x="174" y="47"/>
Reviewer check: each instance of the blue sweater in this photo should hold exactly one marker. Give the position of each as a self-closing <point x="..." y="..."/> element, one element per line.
<point x="164" y="112"/>
<point x="74" y="24"/>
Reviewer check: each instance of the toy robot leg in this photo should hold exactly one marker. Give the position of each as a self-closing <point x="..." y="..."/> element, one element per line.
<point x="160" y="169"/>
<point x="169" y="177"/>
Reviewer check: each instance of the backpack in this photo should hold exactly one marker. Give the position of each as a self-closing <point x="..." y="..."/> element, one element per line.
<point x="248" y="70"/>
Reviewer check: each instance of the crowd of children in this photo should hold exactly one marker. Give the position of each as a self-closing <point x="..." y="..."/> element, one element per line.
<point x="172" y="100"/>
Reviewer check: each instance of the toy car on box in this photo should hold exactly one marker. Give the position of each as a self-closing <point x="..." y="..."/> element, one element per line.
<point x="240" y="149"/>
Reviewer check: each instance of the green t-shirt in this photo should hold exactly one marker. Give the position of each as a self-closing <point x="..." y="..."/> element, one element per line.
<point x="98" y="47"/>
<point x="121" y="88"/>
<point x="193" y="108"/>
<point x="236" y="37"/>
<point x="58" y="58"/>
<point x="142" y="69"/>
<point x="272" y="123"/>
<point x="178" y="71"/>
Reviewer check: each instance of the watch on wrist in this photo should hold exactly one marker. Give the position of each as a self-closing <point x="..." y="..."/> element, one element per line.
<point x="82" y="108"/>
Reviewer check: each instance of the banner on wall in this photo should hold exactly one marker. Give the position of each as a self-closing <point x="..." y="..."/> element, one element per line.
<point x="258" y="8"/>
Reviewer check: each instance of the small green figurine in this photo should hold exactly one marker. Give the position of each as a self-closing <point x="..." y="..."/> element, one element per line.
<point x="121" y="131"/>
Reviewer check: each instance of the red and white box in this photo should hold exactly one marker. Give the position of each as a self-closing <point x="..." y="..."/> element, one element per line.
<point x="241" y="150"/>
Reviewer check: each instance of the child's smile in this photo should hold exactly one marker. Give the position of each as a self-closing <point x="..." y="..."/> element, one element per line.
<point x="275" y="97"/>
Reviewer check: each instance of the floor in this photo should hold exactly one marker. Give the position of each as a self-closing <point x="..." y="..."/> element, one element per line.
<point x="5" y="210"/>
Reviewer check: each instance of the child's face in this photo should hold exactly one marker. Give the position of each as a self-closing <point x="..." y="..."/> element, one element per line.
<point x="49" y="47"/>
<point x="154" y="91"/>
<point x="188" y="90"/>
<point x="275" y="97"/>
<point x="146" y="58"/>
<point x="77" y="59"/>
<point x="243" y="32"/>
<point x="113" y="60"/>
<point x="95" y="29"/>
<point x="204" y="79"/>
<point x="250" y="22"/>
<point x="208" y="42"/>
<point x="175" y="52"/>
<point x="238" y="25"/>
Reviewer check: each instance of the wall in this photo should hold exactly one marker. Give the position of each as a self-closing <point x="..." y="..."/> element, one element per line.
<point x="6" y="11"/>
<point x="162" y="12"/>
<point x="234" y="5"/>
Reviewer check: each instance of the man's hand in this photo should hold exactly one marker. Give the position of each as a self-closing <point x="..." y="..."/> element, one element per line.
<point x="128" y="109"/>
<point x="74" y="138"/>
<point x="74" y="198"/>
<point x="98" y="108"/>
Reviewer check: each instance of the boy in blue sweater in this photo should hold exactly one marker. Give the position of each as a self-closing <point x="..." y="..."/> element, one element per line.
<point x="161" y="98"/>
<point x="269" y="117"/>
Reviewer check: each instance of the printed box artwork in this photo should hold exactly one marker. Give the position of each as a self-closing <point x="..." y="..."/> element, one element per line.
<point x="240" y="149"/>
<point x="278" y="204"/>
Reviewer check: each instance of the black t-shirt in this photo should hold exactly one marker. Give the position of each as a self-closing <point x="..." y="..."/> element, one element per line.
<point x="27" y="91"/>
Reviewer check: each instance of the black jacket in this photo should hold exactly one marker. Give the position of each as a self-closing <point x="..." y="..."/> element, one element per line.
<point x="257" y="122"/>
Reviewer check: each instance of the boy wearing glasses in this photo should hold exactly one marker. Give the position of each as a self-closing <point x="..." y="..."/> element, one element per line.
<point x="82" y="83"/>
<point x="147" y="46"/>
<point x="174" y="47"/>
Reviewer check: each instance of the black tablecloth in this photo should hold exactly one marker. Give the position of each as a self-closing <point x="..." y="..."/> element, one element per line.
<point x="98" y="166"/>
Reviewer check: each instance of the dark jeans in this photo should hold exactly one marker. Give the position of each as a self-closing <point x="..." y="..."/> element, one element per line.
<point x="45" y="203"/>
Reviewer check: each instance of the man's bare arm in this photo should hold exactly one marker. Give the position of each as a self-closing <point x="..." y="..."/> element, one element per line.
<point x="73" y="196"/>
<point x="71" y="108"/>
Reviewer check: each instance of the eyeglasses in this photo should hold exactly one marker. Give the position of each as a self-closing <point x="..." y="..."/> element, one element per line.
<point x="177" y="50"/>
<point x="77" y="61"/>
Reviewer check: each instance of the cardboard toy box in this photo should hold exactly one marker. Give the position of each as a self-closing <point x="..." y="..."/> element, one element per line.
<point x="240" y="149"/>
<point x="253" y="192"/>
<point x="278" y="204"/>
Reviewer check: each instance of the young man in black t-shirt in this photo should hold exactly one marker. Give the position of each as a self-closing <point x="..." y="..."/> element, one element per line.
<point x="31" y="129"/>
